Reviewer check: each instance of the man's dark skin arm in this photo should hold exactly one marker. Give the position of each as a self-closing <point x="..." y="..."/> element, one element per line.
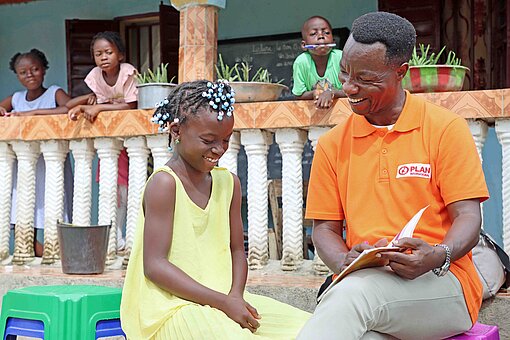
<point x="461" y="238"/>
<point x="327" y="239"/>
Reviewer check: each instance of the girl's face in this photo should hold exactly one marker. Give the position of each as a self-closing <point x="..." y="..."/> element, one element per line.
<point x="106" y="55"/>
<point x="203" y="139"/>
<point x="30" y="72"/>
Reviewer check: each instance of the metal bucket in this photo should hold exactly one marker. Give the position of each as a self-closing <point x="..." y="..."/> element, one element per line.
<point x="83" y="248"/>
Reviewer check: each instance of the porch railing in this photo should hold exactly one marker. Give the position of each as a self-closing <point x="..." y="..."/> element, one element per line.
<point x="292" y="122"/>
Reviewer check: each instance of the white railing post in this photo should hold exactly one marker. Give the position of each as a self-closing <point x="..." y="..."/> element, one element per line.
<point x="108" y="150"/>
<point x="256" y="144"/>
<point x="503" y="133"/>
<point x="27" y="154"/>
<point x="159" y="149"/>
<point x="138" y="155"/>
<point x="83" y="154"/>
<point x="229" y="158"/>
<point x="54" y="153"/>
<point x="479" y="130"/>
<point x="291" y="143"/>
<point x="313" y="134"/>
<point x="6" y="160"/>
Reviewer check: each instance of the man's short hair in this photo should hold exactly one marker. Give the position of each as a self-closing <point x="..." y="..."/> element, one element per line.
<point x="395" y="32"/>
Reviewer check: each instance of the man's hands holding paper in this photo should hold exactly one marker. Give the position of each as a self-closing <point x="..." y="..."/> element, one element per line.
<point x="417" y="257"/>
<point x="357" y="249"/>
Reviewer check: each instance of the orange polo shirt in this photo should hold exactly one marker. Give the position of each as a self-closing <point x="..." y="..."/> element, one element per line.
<point x="377" y="179"/>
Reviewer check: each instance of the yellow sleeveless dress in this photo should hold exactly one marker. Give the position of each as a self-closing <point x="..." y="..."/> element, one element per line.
<point x="201" y="248"/>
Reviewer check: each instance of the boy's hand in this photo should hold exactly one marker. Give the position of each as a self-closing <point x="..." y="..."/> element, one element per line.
<point x="241" y="312"/>
<point x="324" y="99"/>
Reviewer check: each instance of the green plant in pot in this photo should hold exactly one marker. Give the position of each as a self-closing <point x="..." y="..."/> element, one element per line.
<point x="426" y="75"/>
<point x="153" y="86"/>
<point x="249" y="86"/>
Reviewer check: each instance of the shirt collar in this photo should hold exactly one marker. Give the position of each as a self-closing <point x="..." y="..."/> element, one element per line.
<point x="409" y="118"/>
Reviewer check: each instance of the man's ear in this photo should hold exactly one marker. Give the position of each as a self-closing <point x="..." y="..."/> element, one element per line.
<point x="402" y="70"/>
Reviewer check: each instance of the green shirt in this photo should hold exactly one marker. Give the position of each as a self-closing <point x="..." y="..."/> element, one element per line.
<point x="305" y="74"/>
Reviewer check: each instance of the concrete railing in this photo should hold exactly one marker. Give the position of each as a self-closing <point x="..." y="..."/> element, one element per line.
<point x="292" y="122"/>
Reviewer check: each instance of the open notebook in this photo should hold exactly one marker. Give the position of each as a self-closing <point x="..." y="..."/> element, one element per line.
<point x="368" y="257"/>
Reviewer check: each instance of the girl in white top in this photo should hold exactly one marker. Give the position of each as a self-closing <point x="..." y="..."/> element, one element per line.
<point x="30" y="68"/>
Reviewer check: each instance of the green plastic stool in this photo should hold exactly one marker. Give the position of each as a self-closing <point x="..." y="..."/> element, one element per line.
<point x="68" y="312"/>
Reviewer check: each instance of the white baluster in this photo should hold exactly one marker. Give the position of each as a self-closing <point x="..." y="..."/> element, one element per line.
<point x="503" y="133"/>
<point x="108" y="150"/>
<point x="291" y="143"/>
<point x="138" y="155"/>
<point x="83" y="153"/>
<point x="479" y="131"/>
<point x="54" y="153"/>
<point x="256" y="144"/>
<point x="159" y="149"/>
<point x="6" y="161"/>
<point x="229" y="158"/>
<point x="313" y="134"/>
<point x="27" y="154"/>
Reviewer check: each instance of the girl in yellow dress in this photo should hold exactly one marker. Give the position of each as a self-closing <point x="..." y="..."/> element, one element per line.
<point x="187" y="270"/>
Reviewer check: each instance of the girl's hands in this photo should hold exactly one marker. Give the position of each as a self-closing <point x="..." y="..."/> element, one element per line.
<point x="241" y="312"/>
<point x="89" y="112"/>
<point x="92" y="99"/>
<point x="3" y="111"/>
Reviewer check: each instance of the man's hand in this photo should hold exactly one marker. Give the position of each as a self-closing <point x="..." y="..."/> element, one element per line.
<point x="418" y="258"/>
<point x="357" y="249"/>
<point x="241" y="312"/>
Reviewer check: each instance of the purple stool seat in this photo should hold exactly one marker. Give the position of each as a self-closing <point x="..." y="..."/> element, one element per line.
<point x="478" y="332"/>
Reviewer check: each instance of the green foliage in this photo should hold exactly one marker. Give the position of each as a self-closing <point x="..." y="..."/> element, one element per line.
<point x="242" y="72"/>
<point x="423" y="58"/>
<point x="160" y="75"/>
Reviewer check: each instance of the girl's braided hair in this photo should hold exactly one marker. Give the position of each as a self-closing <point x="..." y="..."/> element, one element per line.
<point x="33" y="53"/>
<point x="187" y="98"/>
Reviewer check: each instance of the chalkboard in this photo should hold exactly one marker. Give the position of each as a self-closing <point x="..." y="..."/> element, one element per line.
<point x="274" y="52"/>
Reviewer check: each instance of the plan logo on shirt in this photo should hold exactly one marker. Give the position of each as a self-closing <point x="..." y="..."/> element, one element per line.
<point x="414" y="170"/>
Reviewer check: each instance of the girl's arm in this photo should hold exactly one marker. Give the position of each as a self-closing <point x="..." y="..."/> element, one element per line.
<point x="80" y="100"/>
<point x="159" y="205"/>
<point x="6" y="106"/>
<point x="239" y="265"/>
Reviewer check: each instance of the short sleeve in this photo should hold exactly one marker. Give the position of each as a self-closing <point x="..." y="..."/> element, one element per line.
<point x="91" y="80"/>
<point x="459" y="168"/>
<point x="129" y="88"/>
<point x="323" y="198"/>
<point x="299" y="76"/>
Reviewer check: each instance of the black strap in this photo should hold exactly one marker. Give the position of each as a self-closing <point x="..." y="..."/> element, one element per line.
<point x="503" y="256"/>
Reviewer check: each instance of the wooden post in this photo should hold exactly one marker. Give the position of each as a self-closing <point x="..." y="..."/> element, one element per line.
<point x="198" y="38"/>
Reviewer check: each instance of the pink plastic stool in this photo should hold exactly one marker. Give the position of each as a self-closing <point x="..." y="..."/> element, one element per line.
<point x="478" y="332"/>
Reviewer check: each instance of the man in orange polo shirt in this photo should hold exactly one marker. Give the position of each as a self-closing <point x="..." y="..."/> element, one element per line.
<point x="395" y="155"/>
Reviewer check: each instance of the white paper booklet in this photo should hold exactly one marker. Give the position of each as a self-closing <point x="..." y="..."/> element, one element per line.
<point x="368" y="257"/>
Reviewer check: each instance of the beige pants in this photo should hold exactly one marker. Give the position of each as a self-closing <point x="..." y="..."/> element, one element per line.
<point x="375" y="303"/>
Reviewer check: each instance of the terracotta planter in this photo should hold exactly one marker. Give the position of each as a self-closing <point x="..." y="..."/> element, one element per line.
<point x="256" y="92"/>
<point x="150" y="94"/>
<point x="434" y="78"/>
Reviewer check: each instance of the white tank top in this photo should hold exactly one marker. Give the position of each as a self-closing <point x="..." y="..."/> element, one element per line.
<point x="45" y="101"/>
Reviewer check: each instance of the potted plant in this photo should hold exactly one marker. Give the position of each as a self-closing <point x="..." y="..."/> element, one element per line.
<point x="256" y="88"/>
<point x="426" y="75"/>
<point x="153" y="86"/>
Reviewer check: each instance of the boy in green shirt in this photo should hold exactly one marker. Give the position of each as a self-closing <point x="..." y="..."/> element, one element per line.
<point x="316" y="70"/>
